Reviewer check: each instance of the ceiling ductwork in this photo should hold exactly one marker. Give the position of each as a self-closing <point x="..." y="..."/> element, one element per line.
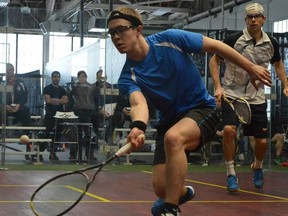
<point x="157" y="14"/>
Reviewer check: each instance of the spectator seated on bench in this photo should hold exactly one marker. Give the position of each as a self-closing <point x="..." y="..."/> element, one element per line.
<point x="16" y="98"/>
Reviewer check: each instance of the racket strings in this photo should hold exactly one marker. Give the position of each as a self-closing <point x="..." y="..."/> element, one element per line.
<point x="243" y="111"/>
<point x="59" y="195"/>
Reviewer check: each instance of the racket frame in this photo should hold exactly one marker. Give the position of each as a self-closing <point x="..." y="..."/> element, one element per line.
<point x="231" y="103"/>
<point x="126" y="148"/>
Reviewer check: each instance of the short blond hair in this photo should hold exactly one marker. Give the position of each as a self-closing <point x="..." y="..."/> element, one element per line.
<point x="127" y="13"/>
<point x="254" y="7"/>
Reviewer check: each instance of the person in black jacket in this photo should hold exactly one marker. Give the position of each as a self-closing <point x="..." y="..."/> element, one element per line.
<point x="16" y="100"/>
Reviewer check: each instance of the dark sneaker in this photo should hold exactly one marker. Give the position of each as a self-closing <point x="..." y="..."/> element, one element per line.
<point x="277" y="161"/>
<point x="157" y="205"/>
<point x="190" y="194"/>
<point x="169" y="210"/>
<point x="258" y="179"/>
<point x="168" y="213"/>
<point x="232" y="183"/>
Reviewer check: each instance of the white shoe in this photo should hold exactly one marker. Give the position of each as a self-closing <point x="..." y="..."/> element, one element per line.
<point x="241" y="157"/>
<point x="205" y="163"/>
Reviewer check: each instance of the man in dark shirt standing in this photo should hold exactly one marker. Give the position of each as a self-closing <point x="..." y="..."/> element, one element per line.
<point x="55" y="98"/>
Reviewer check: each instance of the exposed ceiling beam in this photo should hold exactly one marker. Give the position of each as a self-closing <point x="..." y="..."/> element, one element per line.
<point x="62" y="13"/>
<point x="65" y="10"/>
<point x="211" y="12"/>
<point x="50" y="7"/>
<point x="160" y="22"/>
<point x="139" y="7"/>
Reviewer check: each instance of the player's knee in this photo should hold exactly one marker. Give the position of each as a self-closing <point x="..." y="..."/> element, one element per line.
<point x="229" y="131"/>
<point x="261" y="141"/>
<point x="172" y="143"/>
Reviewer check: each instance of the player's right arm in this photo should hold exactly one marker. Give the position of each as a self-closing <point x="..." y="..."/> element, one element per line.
<point x="215" y="74"/>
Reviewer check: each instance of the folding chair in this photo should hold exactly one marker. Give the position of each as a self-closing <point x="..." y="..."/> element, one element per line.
<point x="66" y="119"/>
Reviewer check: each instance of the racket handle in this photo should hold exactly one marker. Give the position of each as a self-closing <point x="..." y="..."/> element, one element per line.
<point x="124" y="149"/>
<point x="127" y="148"/>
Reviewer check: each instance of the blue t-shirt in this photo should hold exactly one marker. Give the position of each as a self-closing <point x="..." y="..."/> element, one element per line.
<point x="167" y="76"/>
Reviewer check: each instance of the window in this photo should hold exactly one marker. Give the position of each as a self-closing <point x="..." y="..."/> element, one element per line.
<point x="280" y="26"/>
<point x="30" y="53"/>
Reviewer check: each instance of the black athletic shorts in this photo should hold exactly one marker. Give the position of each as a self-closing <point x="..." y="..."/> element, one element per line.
<point x="207" y="119"/>
<point x="259" y="121"/>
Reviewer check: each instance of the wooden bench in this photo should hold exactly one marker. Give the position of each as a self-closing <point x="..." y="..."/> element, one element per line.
<point x="109" y="149"/>
<point x="33" y="140"/>
<point x="35" y="118"/>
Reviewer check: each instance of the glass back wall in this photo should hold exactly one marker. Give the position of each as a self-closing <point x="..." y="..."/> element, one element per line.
<point x="87" y="59"/>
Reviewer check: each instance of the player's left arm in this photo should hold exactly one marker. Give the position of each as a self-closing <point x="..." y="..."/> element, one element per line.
<point x="255" y="72"/>
<point x="281" y="73"/>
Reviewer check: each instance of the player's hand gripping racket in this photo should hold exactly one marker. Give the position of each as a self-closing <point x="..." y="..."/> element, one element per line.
<point x="241" y="108"/>
<point x="61" y="193"/>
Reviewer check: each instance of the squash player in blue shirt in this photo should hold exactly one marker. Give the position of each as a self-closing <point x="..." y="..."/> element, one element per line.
<point x="159" y="68"/>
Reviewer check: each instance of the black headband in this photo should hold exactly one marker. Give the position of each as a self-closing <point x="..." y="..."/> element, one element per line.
<point x="118" y="15"/>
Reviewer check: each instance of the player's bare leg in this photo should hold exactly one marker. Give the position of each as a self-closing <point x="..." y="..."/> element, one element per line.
<point x="229" y="151"/>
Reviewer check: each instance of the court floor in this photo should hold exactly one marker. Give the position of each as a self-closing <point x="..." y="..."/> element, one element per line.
<point x="130" y="194"/>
